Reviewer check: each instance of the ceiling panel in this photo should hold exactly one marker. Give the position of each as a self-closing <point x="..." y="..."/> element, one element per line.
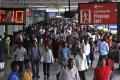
<point x="47" y="3"/>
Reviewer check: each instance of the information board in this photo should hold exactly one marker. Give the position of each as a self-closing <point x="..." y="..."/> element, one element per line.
<point x="98" y="13"/>
<point x="12" y="16"/>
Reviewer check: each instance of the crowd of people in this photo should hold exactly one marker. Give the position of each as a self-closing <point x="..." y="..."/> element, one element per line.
<point x="66" y="43"/>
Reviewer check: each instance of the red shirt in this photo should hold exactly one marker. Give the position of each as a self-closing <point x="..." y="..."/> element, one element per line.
<point x="102" y="73"/>
<point x="45" y="39"/>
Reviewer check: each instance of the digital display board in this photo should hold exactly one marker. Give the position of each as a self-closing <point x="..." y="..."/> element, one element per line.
<point x="12" y="16"/>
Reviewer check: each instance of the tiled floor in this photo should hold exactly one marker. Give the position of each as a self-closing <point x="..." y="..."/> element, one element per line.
<point x="54" y="69"/>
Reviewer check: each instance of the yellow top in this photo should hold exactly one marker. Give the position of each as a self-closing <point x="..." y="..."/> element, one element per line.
<point x="27" y="75"/>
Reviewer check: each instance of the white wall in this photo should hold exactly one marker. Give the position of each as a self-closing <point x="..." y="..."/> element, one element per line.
<point x="10" y="29"/>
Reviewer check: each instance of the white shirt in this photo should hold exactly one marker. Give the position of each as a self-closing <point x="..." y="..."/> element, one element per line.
<point x="93" y="36"/>
<point x="20" y="54"/>
<point x="47" y="57"/>
<point x="68" y="74"/>
<point x="89" y="34"/>
<point x="81" y="63"/>
<point x="21" y="37"/>
<point x="87" y="49"/>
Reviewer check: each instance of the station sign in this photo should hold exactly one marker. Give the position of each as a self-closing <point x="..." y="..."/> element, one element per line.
<point x="98" y="13"/>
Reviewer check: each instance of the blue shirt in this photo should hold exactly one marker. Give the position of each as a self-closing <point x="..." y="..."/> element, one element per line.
<point x="64" y="52"/>
<point x="38" y="34"/>
<point x="34" y="53"/>
<point x="13" y="76"/>
<point x="103" y="48"/>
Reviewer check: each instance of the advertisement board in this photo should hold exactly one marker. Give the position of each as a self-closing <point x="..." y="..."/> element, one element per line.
<point x="29" y="12"/>
<point x="38" y="13"/>
<point x="52" y="14"/>
<point x="98" y="13"/>
<point x="113" y="28"/>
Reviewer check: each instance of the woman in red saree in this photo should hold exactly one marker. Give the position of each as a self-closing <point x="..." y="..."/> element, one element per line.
<point x="102" y="71"/>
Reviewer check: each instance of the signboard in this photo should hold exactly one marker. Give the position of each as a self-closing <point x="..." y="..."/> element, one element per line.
<point x="38" y="13"/>
<point x="113" y="28"/>
<point x="52" y="14"/>
<point x="98" y="13"/>
<point x="11" y="16"/>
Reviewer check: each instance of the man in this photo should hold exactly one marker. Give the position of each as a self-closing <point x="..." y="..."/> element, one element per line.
<point x="47" y="58"/>
<point x="81" y="63"/>
<point x="2" y="55"/>
<point x="20" y="55"/>
<point x="87" y="50"/>
<point x="69" y="72"/>
<point x="14" y="74"/>
<point x="103" y="48"/>
<point x="19" y="37"/>
<point x="6" y="40"/>
<point x="39" y="35"/>
<point x="35" y="57"/>
<point x="64" y="54"/>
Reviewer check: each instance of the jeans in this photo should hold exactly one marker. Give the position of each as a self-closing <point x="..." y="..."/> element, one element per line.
<point x="82" y="75"/>
<point x="46" y="69"/>
<point x="88" y="59"/>
<point x="35" y="67"/>
<point x="63" y="63"/>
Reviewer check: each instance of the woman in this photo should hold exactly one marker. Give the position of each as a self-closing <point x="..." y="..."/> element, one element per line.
<point x="102" y="71"/>
<point x="55" y="47"/>
<point x="110" y="42"/>
<point x="27" y="73"/>
<point x="81" y="63"/>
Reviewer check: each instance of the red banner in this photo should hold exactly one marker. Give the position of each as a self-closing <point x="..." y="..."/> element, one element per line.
<point x="29" y="12"/>
<point x="101" y="13"/>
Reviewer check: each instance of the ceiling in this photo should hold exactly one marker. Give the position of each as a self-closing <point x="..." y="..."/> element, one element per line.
<point x="45" y="3"/>
<point x="41" y="3"/>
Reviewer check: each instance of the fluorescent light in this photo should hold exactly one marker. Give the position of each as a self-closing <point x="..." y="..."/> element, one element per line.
<point x="38" y="6"/>
<point x="70" y="6"/>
